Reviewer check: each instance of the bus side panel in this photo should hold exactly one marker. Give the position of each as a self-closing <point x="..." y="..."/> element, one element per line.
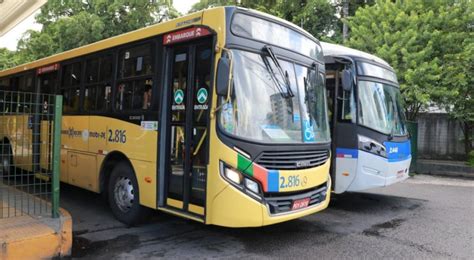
<point x="46" y="139"/>
<point x="74" y="133"/>
<point x="109" y="134"/>
<point x="21" y="140"/>
<point x="146" y="178"/>
<point x="82" y="171"/>
<point x="63" y="176"/>
<point x="346" y="168"/>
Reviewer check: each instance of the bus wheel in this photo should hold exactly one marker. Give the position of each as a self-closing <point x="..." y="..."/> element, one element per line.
<point x="124" y="195"/>
<point x="5" y="160"/>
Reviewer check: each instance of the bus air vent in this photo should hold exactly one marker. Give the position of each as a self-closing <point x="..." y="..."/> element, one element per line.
<point x="292" y="160"/>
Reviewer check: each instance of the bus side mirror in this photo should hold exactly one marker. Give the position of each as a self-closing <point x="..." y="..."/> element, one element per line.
<point x="347" y="80"/>
<point x="223" y="76"/>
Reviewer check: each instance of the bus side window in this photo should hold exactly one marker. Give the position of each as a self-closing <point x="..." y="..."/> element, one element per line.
<point x="70" y="87"/>
<point x="133" y="95"/>
<point x="4" y="87"/>
<point x="26" y="87"/>
<point x="134" y="89"/>
<point x="97" y="86"/>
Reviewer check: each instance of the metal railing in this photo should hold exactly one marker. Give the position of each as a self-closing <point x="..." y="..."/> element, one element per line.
<point x="30" y="142"/>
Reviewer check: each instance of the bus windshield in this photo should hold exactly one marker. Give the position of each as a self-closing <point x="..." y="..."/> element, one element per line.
<point x="381" y="108"/>
<point x="259" y="110"/>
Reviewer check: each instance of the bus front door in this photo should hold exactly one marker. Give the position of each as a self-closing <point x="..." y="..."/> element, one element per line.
<point x="185" y="138"/>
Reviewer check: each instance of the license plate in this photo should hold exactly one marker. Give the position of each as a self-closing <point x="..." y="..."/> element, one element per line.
<point x="299" y="204"/>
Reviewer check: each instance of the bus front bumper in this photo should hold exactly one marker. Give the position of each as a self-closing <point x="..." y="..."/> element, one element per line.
<point x="232" y="208"/>
<point x="374" y="171"/>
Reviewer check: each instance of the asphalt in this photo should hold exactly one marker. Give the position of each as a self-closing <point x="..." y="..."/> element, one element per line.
<point x="423" y="217"/>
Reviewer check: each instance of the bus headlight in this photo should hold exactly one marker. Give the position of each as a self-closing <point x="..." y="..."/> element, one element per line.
<point x="244" y="183"/>
<point x="251" y="185"/>
<point x="233" y="175"/>
<point x="371" y="146"/>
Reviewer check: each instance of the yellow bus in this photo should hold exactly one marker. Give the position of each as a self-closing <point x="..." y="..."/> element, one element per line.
<point x="218" y="116"/>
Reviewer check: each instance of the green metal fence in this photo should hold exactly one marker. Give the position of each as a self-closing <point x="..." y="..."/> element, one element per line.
<point x="30" y="142"/>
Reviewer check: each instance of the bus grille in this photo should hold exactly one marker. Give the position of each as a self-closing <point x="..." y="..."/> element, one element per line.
<point x="292" y="160"/>
<point x="283" y="204"/>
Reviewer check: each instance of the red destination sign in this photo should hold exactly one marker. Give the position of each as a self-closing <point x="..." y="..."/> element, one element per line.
<point x="46" y="69"/>
<point x="184" y="35"/>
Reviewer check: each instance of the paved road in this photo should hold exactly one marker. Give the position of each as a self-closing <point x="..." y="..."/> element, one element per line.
<point x="424" y="217"/>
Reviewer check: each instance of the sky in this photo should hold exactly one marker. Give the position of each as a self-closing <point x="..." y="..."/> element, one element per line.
<point x="10" y="39"/>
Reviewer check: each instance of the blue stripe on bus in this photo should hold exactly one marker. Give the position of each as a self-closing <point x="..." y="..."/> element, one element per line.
<point x="273" y="180"/>
<point x="397" y="152"/>
<point x="347" y="153"/>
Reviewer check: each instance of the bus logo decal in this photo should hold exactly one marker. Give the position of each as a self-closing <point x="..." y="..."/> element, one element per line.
<point x="305" y="163"/>
<point x="202" y="95"/>
<point x="178" y="96"/>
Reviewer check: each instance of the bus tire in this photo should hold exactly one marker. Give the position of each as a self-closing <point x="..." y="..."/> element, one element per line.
<point x="6" y="160"/>
<point x="123" y="195"/>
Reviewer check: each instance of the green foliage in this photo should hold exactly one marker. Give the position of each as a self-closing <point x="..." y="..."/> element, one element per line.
<point x="8" y="59"/>
<point x="69" y="24"/>
<point x="470" y="159"/>
<point x="416" y="38"/>
<point x="431" y="46"/>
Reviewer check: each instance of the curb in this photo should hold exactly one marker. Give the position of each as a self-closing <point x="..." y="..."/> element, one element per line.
<point x="53" y="242"/>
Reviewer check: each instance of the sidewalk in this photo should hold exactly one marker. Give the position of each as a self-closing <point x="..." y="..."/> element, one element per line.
<point x="31" y="237"/>
<point x="445" y="168"/>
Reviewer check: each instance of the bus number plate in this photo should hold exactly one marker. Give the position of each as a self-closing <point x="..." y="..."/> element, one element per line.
<point x="299" y="204"/>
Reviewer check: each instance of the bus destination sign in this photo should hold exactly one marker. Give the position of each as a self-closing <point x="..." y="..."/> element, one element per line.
<point x="46" y="69"/>
<point x="184" y="35"/>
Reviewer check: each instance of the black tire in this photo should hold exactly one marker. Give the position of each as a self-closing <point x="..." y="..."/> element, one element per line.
<point x="123" y="195"/>
<point x="6" y="160"/>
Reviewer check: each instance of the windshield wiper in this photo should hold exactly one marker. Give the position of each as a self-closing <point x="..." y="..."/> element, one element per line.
<point x="284" y="75"/>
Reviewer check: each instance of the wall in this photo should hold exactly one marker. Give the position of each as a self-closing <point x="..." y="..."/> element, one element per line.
<point x="439" y="137"/>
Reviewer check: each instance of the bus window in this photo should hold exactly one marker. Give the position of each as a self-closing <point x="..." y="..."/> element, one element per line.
<point x="70" y="87"/>
<point x="131" y="95"/>
<point x="97" y="91"/>
<point x="26" y="86"/>
<point x="4" y="86"/>
<point x="134" y="89"/>
<point x="136" y="61"/>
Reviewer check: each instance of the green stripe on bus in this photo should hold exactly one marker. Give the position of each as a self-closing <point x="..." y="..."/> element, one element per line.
<point x="244" y="165"/>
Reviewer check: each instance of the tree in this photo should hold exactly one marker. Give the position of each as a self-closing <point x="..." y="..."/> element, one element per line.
<point x="429" y="44"/>
<point x="456" y="48"/>
<point x="8" y="59"/>
<point x="69" y="24"/>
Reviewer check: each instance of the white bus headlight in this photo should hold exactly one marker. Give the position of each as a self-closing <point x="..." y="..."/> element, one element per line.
<point x="233" y="175"/>
<point x="251" y="185"/>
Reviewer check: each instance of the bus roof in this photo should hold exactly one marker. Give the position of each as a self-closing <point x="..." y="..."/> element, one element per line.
<point x="282" y="21"/>
<point x="143" y="33"/>
<point x="330" y="49"/>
